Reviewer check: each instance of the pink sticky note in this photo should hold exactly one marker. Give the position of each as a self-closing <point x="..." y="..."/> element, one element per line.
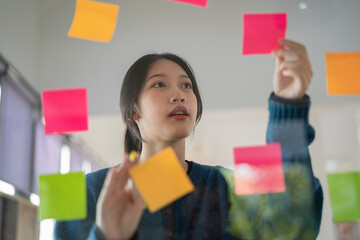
<point x="200" y="3"/>
<point x="262" y="32"/>
<point x="65" y="110"/>
<point x="259" y="169"/>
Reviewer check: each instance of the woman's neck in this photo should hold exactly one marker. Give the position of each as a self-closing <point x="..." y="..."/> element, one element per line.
<point x="150" y="149"/>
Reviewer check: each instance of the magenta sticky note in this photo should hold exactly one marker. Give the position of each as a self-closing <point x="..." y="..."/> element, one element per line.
<point x="200" y="3"/>
<point x="259" y="169"/>
<point x="262" y="32"/>
<point x="65" y="110"/>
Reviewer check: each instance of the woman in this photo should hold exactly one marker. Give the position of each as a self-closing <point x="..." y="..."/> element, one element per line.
<point x="161" y="105"/>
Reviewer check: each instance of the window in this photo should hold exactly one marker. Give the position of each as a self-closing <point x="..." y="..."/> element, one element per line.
<point x="17" y="109"/>
<point x="47" y="154"/>
<point x="77" y="157"/>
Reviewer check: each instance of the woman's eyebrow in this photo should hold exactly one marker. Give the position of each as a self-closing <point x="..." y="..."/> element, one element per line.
<point x="156" y="75"/>
<point x="164" y="75"/>
<point x="183" y="76"/>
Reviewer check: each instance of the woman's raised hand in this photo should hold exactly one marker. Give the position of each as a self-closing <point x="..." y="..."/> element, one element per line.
<point x="293" y="73"/>
<point x="117" y="213"/>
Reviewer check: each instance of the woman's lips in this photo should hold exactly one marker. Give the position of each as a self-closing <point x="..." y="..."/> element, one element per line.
<point x="180" y="110"/>
<point x="179" y="117"/>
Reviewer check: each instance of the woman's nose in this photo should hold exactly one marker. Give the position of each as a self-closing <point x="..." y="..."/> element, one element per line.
<point x="180" y="99"/>
<point x="177" y="96"/>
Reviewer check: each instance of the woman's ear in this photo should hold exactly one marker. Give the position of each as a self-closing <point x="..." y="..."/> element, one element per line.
<point x="136" y="116"/>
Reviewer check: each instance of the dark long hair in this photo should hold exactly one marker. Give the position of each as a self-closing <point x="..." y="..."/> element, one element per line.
<point x="130" y="91"/>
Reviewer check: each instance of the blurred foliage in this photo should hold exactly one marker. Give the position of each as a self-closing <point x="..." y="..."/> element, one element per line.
<point x="287" y="215"/>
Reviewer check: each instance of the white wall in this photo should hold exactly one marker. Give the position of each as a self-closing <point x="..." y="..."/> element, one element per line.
<point x="210" y="39"/>
<point x="19" y="35"/>
<point x="220" y="130"/>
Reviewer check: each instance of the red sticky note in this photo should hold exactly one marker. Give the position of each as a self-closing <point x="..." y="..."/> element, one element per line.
<point x="200" y="3"/>
<point x="259" y="169"/>
<point x="262" y="32"/>
<point x="65" y="110"/>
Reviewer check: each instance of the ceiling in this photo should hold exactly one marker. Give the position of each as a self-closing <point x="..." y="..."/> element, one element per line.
<point x="209" y="38"/>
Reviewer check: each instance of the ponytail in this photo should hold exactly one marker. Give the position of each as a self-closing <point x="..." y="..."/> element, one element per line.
<point x="131" y="142"/>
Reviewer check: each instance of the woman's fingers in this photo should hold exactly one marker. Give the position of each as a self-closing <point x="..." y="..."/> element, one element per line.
<point x="289" y="44"/>
<point x="116" y="208"/>
<point x="298" y="55"/>
<point x="123" y="174"/>
<point x="118" y="177"/>
<point x="293" y="50"/>
<point x="287" y="53"/>
<point x="293" y="71"/>
<point x="295" y="66"/>
<point x="109" y="176"/>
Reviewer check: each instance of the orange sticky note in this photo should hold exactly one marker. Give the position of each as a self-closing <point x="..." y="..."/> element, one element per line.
<point x="94" y="21"/>
<point x="343" y="73"/>
<point x="161" y="180"/>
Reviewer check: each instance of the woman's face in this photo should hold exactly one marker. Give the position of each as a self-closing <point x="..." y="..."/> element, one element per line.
<point x="167" y="102"/>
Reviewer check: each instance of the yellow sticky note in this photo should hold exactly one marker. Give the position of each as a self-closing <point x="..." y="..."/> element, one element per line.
<point x="161" y="180"/>
<point x="94" y="21"/>
<point x="343" y="73"/>
<point x="132" y="156"/>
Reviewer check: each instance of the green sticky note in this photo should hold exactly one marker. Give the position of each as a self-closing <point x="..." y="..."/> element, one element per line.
<point x="62" y="196"/>
<point x="344" y="191"/>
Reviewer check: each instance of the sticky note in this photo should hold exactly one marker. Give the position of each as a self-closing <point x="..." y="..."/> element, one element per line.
<point x="259" y="169"/>
<point x="161" y="180"/>
<point x="62" y="196"/>
<point x="94" y="21"/>
<point x="132" y="155"/>
<point x="343" y="73"/>
<point x="261" y="32"/>
<point x="65" y="110"/>
<point x="200" y="3"/>
<point x="344" y="189"/>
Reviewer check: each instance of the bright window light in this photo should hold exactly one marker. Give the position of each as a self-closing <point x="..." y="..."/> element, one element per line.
<point x="47" y="229"/>
<point x="86" y="166"/>
<point x="7" y="188"/>
<point x="34" y="199"/>
<point x="331" y="166"/>
<point x="65" y="159"/>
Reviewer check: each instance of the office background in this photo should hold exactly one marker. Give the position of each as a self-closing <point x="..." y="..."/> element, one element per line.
<point x="235" y="88"/>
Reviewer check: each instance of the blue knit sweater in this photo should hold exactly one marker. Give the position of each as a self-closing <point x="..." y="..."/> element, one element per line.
<point x="204" y="213"/>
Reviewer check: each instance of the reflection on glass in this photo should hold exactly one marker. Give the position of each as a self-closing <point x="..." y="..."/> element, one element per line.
<point x="287" y="215"/>
<point x="348" y="230"/>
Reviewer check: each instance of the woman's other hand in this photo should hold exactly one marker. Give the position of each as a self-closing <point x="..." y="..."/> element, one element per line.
<point x="117" y="213"/>
<point x="293" y="73"/>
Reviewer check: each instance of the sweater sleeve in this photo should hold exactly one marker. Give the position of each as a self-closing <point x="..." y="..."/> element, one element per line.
<point x="289" y="125"/>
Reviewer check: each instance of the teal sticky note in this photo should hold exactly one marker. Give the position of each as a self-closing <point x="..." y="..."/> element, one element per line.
<point x="62" y="196"/>
<point x="344" y="191"/>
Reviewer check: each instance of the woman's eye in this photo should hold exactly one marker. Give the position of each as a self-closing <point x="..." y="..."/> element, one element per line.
<point x="159" y="85"/>
<point x="187" y="85"/>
